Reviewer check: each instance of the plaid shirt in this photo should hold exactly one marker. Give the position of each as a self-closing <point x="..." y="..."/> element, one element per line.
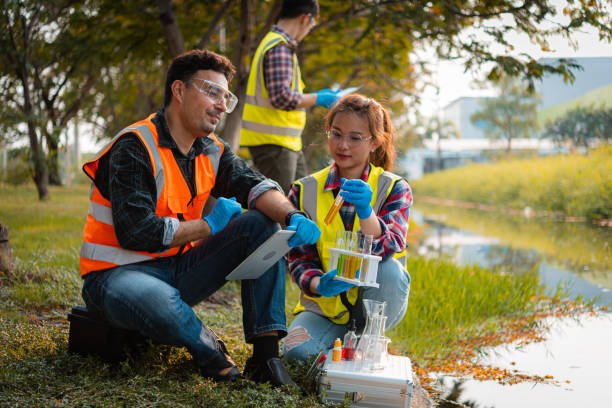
<point x="304" y="261"/>
<point x="278" y="73"/>
<point x="125" y="177"/>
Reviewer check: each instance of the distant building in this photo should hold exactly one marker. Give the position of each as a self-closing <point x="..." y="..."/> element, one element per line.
<point x="592" y="85"/>
<point x="596" y="73"/>
<point x="459" y="112"/>
<point x="449" y="153"/>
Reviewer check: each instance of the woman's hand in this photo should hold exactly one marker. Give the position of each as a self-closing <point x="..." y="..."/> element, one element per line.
<point x="330" y="287"/>
<point x="359" y="193"/>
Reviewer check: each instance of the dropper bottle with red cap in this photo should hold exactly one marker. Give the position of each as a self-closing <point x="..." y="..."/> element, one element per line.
<point x="350" y="342"/>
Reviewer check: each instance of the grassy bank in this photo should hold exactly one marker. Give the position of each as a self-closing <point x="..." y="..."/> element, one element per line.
<point x="573" y="185"/>
<point x="448" y="307"/>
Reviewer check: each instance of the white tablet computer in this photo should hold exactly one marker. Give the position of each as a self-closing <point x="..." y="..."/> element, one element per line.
<point x="263" y="257"/>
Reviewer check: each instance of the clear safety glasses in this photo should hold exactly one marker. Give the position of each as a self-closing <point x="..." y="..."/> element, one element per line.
<point x="351" y="139"/>
<point x="217" y="93"/>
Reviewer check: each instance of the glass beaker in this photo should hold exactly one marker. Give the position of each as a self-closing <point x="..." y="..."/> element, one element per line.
<point x="379" y="354"/>
<point x="374" y="328"/>
<point x="373" y="307"/>
<point x="370" y="346"/>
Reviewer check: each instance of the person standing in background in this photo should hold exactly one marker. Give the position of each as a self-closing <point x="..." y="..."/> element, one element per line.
<point x="274" y="113"/>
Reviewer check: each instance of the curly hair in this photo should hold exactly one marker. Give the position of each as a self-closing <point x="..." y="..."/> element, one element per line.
<point x="184" y="66"/>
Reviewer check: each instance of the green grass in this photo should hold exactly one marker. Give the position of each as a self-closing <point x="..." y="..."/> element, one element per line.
<point x="445" y="300"/>
<point x="596" y="98"/>
<point x="447" y="304"/>
<point x="573" y="185"/>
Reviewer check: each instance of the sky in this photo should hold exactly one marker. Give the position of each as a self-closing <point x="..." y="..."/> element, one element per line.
<point x="454" y="83"/>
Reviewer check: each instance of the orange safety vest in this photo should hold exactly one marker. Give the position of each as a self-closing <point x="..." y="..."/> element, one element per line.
<point x="100" y="249"/>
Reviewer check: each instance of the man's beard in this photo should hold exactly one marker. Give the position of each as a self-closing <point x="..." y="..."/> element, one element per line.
<point x="208" y="127"/>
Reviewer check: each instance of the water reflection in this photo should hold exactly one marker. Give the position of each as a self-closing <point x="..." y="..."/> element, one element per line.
<point x="575" y="256"/>
<point x="579" y="247"/>
<point x="577" y="354"/>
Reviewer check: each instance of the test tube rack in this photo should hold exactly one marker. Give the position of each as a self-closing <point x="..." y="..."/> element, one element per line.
<point x="367" y="265"/>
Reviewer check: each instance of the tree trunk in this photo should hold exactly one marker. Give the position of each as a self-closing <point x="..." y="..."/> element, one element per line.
<point x="231" y="131"/>
<point x="53" y="160"/>
<point x="233" y="122"/>
<point x="41" y="172"/>
<point x="6" y="257"/>
<point x="176" y="45"/>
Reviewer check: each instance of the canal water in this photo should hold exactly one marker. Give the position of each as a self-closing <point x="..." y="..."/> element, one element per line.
<point x="577" y="353"/>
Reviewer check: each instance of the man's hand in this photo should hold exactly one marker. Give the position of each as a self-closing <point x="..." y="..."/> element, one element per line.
<point x="225" y="210"/>
<point x="358" y="193"/>
<point x="329" y="287"/>
<point x="327" y="97"/>
<point x="306" y="231"/>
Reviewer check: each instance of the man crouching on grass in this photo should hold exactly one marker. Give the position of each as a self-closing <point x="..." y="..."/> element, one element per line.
<point x="141" y="268"/>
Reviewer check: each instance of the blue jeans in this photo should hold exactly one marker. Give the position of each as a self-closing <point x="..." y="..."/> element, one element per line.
<point x="155" y="297"/>
<point x="310" y="333"/>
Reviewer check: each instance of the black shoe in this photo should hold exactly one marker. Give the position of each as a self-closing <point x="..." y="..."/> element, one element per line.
<point x="272" y="371"/>
<point x="220" y="362"/>
<point x="215" y="373"/>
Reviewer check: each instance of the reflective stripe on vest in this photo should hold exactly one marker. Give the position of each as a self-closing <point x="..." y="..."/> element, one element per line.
<point x="100" y="249"/>
<point x="261" y="122"/>
<point x="316" y="202"/>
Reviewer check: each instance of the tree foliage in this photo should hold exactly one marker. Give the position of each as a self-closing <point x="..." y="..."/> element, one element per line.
<point x="511" y="115"/>
<point x="105" y="60"/>
<point x="47" y="75"/>
<point x="582" y="126"/>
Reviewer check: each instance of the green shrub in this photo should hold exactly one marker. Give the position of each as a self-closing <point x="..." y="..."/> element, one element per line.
<point x="575" y="185"/>
<point x="17" y="171"/>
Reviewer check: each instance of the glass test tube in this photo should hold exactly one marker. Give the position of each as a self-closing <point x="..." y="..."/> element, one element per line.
<point x="349" y="241"/>
<point x="365" y="247"/>
<point x="333" y="210"/>
<point x="355" y="260"/>
<point x="340" y="244"/>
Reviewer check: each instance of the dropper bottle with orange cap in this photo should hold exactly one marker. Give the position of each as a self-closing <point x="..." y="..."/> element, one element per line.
<point x="337" y="351"/>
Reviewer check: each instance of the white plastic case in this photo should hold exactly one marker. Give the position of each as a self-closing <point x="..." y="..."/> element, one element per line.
<point x="390" y="387"/>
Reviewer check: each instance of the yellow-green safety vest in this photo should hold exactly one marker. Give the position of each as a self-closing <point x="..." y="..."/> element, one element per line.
<point x="262" y="123"/>
<point x="316" y="203"/>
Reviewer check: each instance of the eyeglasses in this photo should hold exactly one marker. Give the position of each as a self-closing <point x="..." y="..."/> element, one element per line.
<point x="217" y="93"/>
<point x="351" y="140"/>
<point x="312" y="21"/>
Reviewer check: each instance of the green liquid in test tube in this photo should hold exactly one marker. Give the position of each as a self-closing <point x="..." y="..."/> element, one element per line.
<point x="340" y="245"/>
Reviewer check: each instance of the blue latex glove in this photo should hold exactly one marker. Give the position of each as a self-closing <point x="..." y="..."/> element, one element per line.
<point x="306" y="231"/>
<point x="329" y="287"/>
<point x="225" y="210"/>
<point x="327" y="97"/>
<point x="358" y="193"/>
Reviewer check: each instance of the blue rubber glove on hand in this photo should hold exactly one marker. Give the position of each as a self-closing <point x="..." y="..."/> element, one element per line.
<point x="358" y="193"/>
<point x="329" y="287"/>
<point x="225" y="210"/>
<point x="327" y="97"/>
<point x="306" y="231"/>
